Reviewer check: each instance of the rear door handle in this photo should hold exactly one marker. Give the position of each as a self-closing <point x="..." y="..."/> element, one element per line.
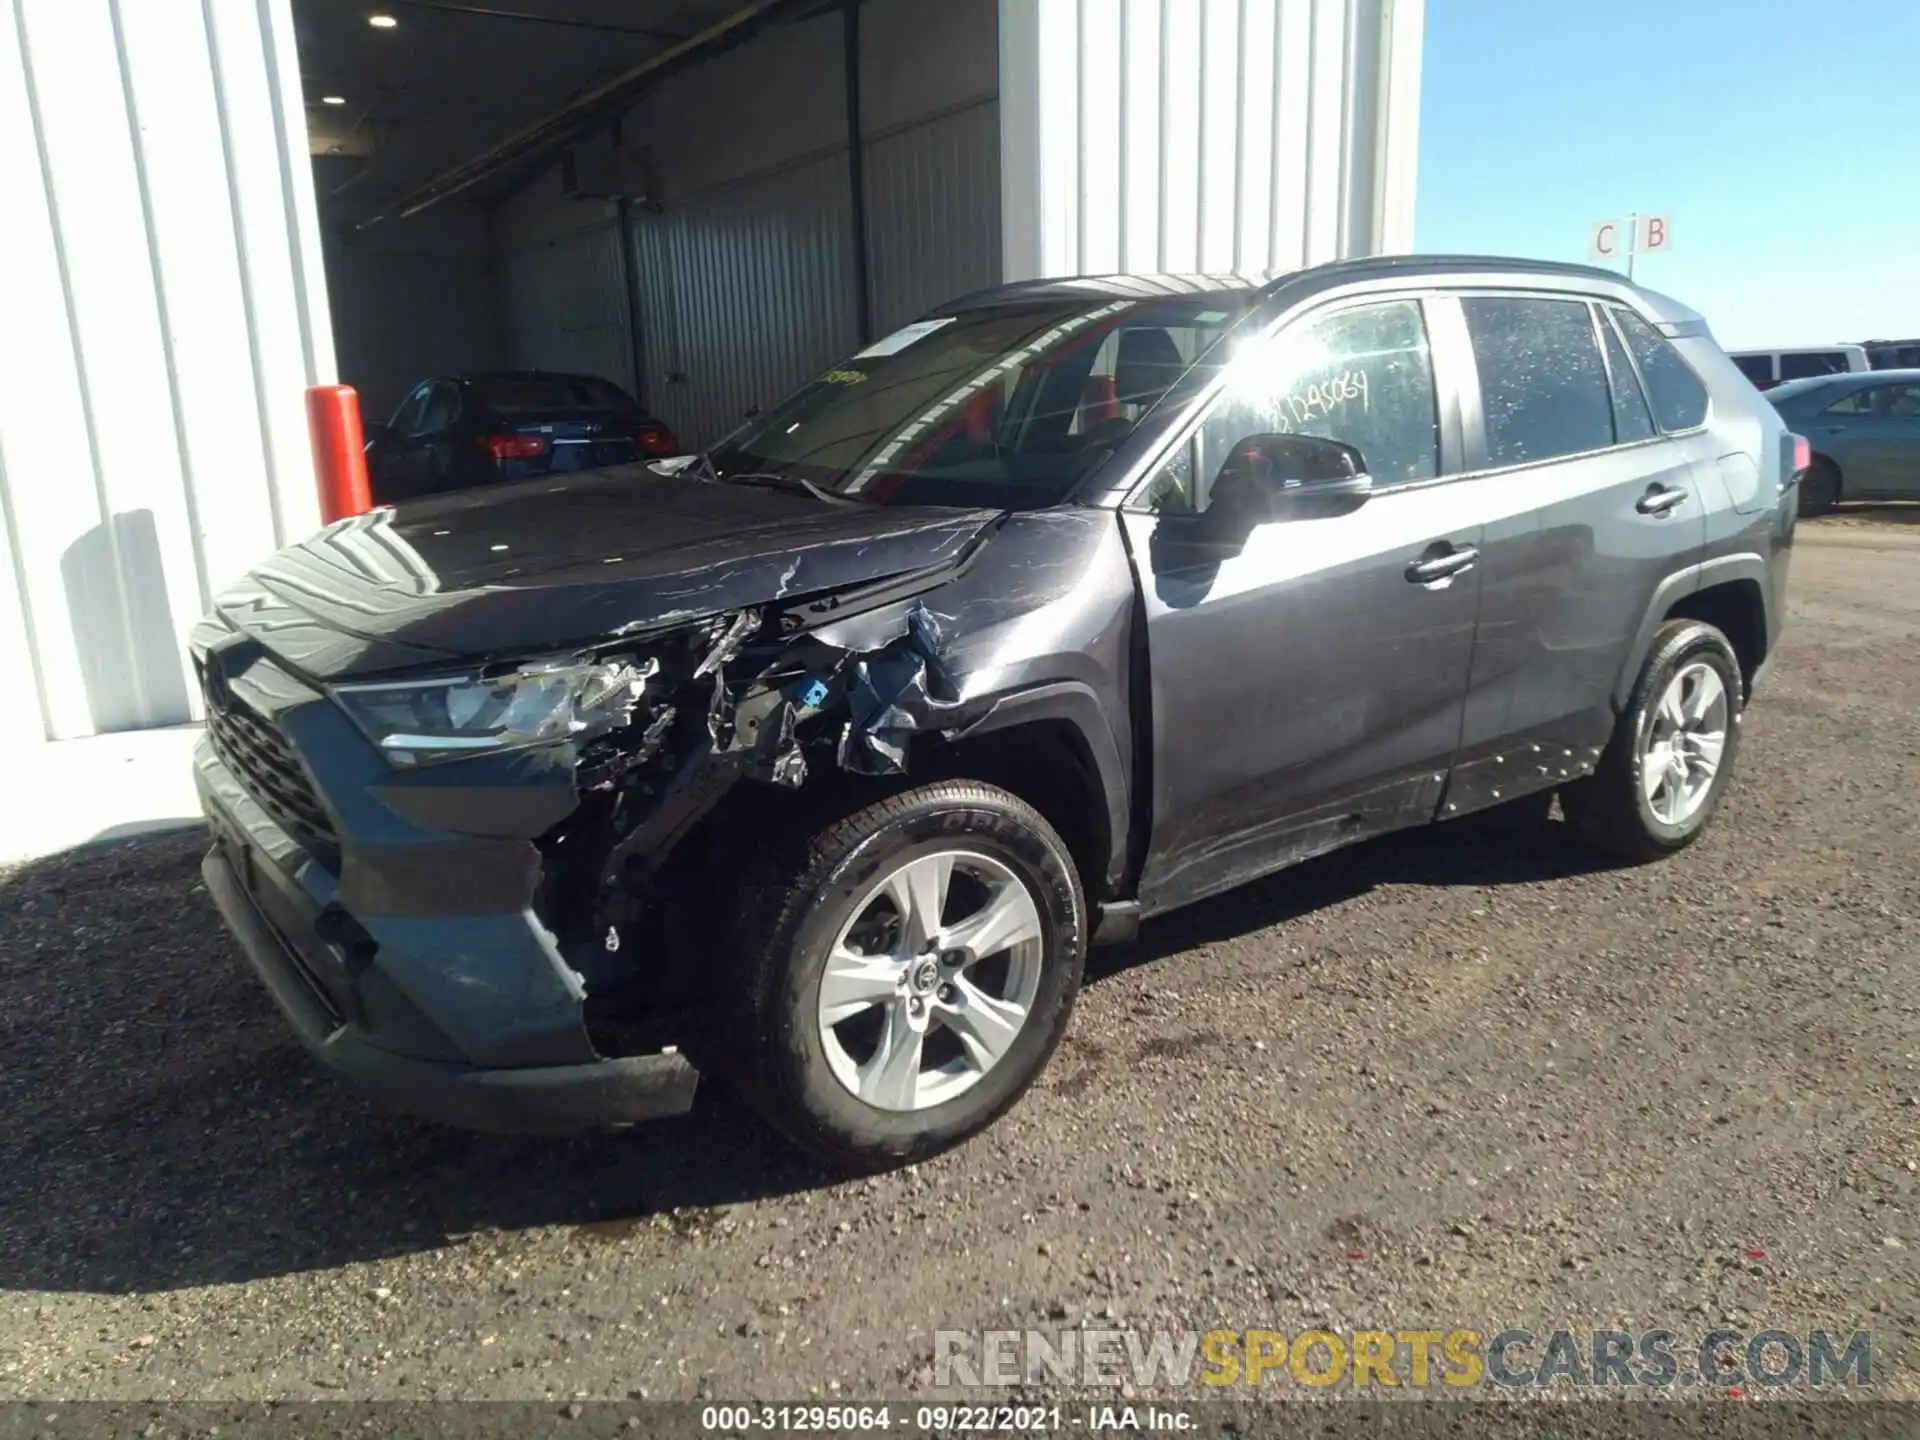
<point x="1443" y="566"/>
<point x="1660" y="499"/>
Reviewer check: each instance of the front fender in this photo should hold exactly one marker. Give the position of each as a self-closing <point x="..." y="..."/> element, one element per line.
<point x="1075" y="703"/>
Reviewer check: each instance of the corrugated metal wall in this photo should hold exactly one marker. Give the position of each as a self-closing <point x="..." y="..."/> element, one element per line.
<point x="744" y="254"/>
<point x="565" y="303"/>
<point x="933" y="212"/>
<point x="745" y="292"/>
<point x="412" y="298"/>
<point x="165" y="309"/>
<point x="1206" y="135"/>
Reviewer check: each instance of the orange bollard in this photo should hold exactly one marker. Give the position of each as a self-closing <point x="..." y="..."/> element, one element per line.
<point x="339" y="451"/>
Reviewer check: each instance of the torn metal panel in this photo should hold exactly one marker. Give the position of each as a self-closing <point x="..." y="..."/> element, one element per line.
<point x="890" y="698"/>
<point x="741" y="630"/>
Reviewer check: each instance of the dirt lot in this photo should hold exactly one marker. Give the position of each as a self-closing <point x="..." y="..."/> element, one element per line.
<point x="1467" y="1076"/>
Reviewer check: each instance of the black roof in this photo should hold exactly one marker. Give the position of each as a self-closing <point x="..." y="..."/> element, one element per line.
<point x="1122" y="287"/>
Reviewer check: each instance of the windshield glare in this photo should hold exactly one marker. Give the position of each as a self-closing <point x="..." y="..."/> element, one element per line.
<point x="1007" y="406"/>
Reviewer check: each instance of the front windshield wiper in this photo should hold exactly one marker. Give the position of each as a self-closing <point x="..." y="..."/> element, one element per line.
<point x="710" y="473"/>
<point x="775" y="481"/>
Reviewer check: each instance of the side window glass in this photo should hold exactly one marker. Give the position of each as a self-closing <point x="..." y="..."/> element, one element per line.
<point x="1543" y="388"/>
<point x="1757" y="368"/>
<point x="443" y="407"/>
<point x="1362" y="376"/>
<point x="1632" y="420"/>
<point x="1679" y="399"/>
<point x="1902" y="403"/>
<point x="1860" y="402"/>
<point x="1813" y="362"/>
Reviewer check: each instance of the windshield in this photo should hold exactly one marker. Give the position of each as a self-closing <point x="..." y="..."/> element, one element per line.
<point x="544" y="394"/>
<point x="1006" y="406"/>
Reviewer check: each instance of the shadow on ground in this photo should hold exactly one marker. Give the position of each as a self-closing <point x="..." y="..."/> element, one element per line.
<point x="160" y="1128"/>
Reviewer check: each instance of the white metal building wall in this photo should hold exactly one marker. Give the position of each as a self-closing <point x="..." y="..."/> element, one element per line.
<point x="164" y="311"/>
<point x="1206" y="136"/>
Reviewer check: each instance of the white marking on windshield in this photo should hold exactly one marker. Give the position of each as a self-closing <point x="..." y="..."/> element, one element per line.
<point x="903" y="337"/>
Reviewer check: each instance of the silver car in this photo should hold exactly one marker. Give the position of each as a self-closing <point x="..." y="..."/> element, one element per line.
<point x="1865" y="433"/>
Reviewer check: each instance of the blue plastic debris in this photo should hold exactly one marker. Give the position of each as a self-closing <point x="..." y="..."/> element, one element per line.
<point x="810" y="690"/>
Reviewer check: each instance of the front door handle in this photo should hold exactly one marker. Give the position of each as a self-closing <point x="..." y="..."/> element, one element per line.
<point x="1443" y="565"/>
<point x="1660" y="499"/>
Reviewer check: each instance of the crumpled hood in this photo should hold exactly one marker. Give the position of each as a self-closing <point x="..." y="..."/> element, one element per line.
<point x="511" y="570"/>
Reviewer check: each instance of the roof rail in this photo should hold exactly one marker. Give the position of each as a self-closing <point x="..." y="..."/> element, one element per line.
<point x="1441" y="264"/>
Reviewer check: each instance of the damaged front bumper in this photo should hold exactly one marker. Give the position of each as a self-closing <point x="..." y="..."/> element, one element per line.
<point x="360" y="995"/>
<point x="487" y="942"/>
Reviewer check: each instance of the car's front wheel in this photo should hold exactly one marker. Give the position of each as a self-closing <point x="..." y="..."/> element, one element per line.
<point x="905" y="973"/>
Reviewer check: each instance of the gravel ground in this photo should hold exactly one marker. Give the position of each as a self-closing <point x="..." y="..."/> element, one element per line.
<point x="1467" y="1076"/>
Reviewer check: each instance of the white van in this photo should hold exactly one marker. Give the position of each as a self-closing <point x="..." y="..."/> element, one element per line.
<point x="1767" y="368"/>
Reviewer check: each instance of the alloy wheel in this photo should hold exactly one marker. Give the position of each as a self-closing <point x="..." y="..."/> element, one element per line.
<point x="931" y="981"/>
<point x="1683" y="746"/>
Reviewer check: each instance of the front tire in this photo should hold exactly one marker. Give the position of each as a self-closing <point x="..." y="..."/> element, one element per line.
<point x="904" y="974"/>
<point x="1662" y="774"/>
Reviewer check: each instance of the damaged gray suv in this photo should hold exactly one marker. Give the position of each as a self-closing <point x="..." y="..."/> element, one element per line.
<point x="817" y="762"/>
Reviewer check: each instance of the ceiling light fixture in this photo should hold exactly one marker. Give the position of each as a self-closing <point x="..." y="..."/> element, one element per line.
<point x="333" y="99"/>
<point x="382" y="22"/>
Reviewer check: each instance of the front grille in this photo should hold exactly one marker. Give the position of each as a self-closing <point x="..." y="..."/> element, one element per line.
<point x="254" y="749"/>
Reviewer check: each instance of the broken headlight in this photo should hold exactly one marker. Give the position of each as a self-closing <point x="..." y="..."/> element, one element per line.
<point x="418" y="722"/>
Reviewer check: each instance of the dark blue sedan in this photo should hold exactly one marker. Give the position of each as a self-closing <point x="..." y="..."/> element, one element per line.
<point x="457" y="431"/>
<point x="1865" y="431"/>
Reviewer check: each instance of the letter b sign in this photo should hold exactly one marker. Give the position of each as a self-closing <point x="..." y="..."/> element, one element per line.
<point x="1656" y="232"/>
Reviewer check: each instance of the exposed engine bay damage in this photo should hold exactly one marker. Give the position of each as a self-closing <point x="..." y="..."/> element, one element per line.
<point x="756" y="697"/>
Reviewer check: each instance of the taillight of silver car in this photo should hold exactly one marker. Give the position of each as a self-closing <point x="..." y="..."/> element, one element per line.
<point x="1802" y="454"/>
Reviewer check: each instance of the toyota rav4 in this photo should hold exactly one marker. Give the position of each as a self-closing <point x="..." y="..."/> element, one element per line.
<point x="818" y="760"/>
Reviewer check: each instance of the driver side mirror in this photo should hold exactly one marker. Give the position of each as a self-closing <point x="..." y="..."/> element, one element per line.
<point x="1283" y="477"/>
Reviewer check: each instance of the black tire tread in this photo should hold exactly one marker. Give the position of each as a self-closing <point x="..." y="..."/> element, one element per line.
<point x="1604" y="809"/>
<point x="1819" y="487"/>
<point x="774" y="896"/>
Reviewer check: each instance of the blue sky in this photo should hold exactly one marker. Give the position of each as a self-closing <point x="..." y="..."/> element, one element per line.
<point x="1781" y="138"/>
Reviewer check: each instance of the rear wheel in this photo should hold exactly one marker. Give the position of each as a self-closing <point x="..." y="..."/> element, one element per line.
<point x="905" y="974"/>
<point x="1819" y="487"/>
<point x="1661" y="776"/>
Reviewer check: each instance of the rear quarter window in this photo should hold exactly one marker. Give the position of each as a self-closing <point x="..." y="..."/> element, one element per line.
<point x="1678" y="397"/>
<point x="1757" y="368"/>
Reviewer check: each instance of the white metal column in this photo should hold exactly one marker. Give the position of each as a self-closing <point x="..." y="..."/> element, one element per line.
<point x="165" y="311"/>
